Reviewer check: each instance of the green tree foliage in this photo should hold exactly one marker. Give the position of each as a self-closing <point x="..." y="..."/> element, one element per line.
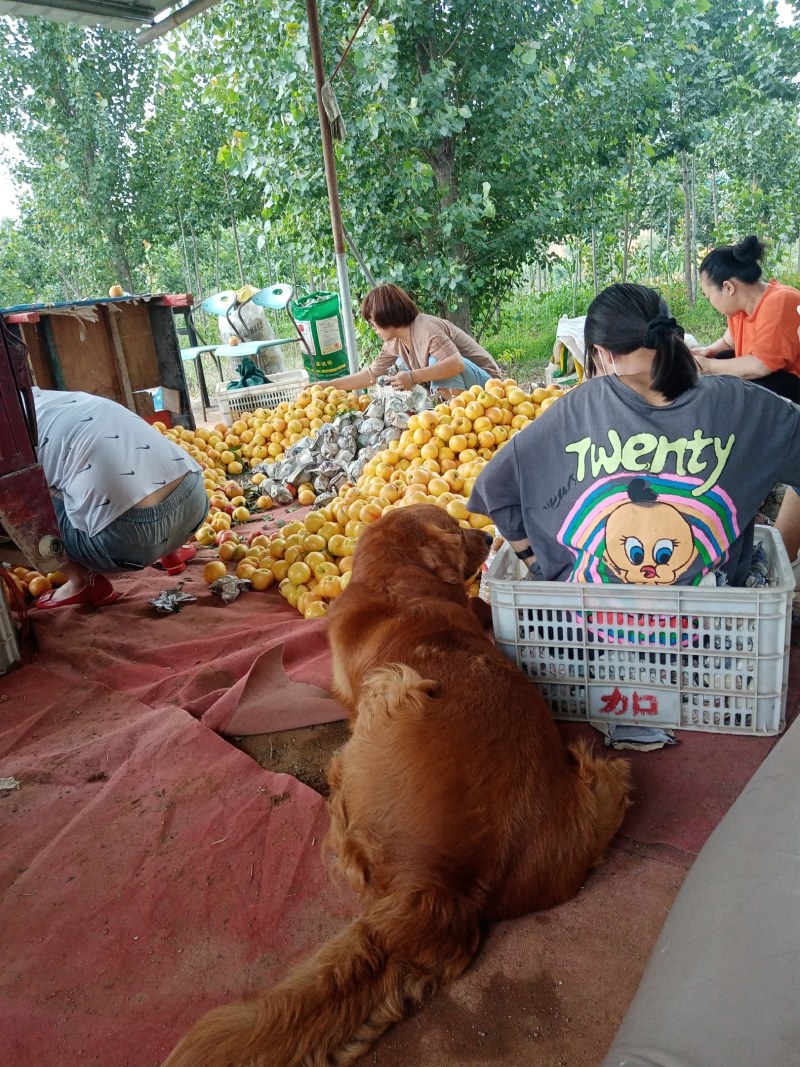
<point x="74" y="99"/>
<point x="477" y="135"/>
<point x="447" y="181"/>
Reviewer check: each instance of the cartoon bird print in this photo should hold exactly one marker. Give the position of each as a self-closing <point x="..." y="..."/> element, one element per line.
<point x="646" y="542"/>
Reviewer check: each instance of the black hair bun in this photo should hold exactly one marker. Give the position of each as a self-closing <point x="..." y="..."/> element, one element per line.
<point x="750" y="250"/>
<point x="639" y="492"/>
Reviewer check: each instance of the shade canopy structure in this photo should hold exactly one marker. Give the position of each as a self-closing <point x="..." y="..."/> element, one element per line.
<point x="152" y="19"/>
<point x="113" y="14"/>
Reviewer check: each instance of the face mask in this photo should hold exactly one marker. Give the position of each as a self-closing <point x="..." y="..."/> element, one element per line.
<point x="606" y="371"/>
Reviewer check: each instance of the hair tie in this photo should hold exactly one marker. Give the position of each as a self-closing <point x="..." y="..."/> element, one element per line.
<point x="657" y="327"/>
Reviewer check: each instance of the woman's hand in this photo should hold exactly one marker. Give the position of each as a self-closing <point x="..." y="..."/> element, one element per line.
<point x="701" y="358"/>
<point x="403" y="380"/>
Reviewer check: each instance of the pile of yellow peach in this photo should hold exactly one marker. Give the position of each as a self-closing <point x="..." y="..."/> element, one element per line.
<point x="435" y="460"/>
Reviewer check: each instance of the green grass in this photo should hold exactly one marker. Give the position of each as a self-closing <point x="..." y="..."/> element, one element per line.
<point x="524" y="339"/>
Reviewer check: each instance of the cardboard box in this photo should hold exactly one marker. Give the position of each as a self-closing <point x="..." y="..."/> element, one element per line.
<point x="149" y="401"/>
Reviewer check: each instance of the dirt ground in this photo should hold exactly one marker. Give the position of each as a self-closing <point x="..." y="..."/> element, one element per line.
<point x="304" y="753"/>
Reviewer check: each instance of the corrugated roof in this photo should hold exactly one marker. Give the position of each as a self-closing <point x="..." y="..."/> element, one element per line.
<point x="113" y="14"/>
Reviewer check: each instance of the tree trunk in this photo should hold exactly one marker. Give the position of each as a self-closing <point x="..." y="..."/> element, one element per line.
<point x="668" y="246"/>
<point x="217" y="283"/>
<point x="238" y="248"/>
<point x="235" y="230"/>
<point x="694" y="224"/>
<point x="119" y="259"/>
<point x="187" y="273"/>
<point x="107" y="225"/>
<point x="577" y="265"/>
<point x="271" y="277"/>
<point x="714" y="205"/>
<point x="594" y="261"/>
<point x="687" y="228"/>
<point x="627" y="234"/>
<point x="197" y="278"/>
<point x="443" y="163"/>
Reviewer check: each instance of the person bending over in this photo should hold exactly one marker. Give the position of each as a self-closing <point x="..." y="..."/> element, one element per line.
<point x="762" y="320"/>
<point x="124" y="496"/>
<point x="647" y="473"/>
<point x="432" y="351"/>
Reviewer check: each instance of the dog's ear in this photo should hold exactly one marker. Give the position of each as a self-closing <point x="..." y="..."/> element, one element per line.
<point x="442" y="553"/>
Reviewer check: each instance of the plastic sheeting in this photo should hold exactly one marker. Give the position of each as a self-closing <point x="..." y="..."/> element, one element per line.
<point x="150" y="870"/>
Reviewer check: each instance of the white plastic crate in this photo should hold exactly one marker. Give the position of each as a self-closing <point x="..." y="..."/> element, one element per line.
<point x="283" y="386"/>
<point x="686" y="657"/>
<point x="9" y="645"/>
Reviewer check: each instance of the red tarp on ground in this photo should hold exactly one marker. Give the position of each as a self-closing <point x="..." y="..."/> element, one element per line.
<point x="151" y="870"/>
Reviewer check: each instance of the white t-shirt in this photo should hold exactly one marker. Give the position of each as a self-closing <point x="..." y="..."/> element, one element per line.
<point x="101" y="457"/>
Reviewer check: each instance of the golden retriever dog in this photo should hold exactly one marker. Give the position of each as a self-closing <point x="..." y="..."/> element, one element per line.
<point x="454" y="804"/>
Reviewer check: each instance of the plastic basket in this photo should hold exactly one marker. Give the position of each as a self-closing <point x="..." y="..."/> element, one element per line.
<point x="685" y="657"/>
<point x="9" y="645"/>
<point x="285" y="386"/>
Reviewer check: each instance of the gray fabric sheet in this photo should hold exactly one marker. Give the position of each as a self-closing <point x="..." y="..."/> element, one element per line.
<point x="722" y="987"/>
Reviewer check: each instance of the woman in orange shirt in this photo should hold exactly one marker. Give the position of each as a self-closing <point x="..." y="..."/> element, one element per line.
<point x="762" y="320"/>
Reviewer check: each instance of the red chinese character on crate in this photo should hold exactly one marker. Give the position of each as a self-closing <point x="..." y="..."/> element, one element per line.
<point x="615" y="703"/>
<point x="645" y="705"/>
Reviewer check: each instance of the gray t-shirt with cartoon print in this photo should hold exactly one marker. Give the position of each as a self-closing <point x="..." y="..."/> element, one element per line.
<point x="608" y="488"/>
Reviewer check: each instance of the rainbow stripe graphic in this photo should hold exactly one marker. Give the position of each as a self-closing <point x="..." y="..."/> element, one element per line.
<point x="712" y="517"/>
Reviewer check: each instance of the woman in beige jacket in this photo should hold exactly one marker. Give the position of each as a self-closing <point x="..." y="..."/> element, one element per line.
<point x="432" y="352"/>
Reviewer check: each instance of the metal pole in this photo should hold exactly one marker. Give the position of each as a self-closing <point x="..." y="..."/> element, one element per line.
<point x="333" y="190"/>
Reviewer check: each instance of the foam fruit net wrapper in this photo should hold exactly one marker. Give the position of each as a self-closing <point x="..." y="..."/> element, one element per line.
<point x="341" y="449"/>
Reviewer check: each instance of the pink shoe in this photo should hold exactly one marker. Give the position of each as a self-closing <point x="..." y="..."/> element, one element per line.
<point x="97" y="593"/>
<point x="175" y="562"/>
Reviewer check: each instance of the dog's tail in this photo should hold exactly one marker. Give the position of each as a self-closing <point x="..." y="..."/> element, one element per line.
<point x="334" y="1006"/>
<point x="608" y="792"/>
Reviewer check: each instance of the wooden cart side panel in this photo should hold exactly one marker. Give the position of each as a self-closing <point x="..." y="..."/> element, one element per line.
<point x="16" y="447"/>
<point x="132" y="346"/>
<point x="136" y="336"/>
<point x="40" y="360"/>
<point x="87" y="358"/>
<point x="170" y="363"/>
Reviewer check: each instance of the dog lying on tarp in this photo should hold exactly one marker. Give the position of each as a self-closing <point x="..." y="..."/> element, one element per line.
<point x="454" y="804"/>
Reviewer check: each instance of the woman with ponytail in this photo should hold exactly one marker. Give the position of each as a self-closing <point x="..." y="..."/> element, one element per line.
<point x="648" y="472"/>
<point x="762" y="320"/>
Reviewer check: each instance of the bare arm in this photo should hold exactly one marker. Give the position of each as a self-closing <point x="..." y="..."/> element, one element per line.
<point x="446" y="362"/>
<point x="724" y="344"/>
<point x="749" y="367"/>
<point x="434" y="372"/>
<point x="361" y="380"/>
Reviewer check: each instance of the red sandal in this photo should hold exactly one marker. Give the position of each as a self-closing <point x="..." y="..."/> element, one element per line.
<point x="175" y="562"/>
<point x="98" y="593"/>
